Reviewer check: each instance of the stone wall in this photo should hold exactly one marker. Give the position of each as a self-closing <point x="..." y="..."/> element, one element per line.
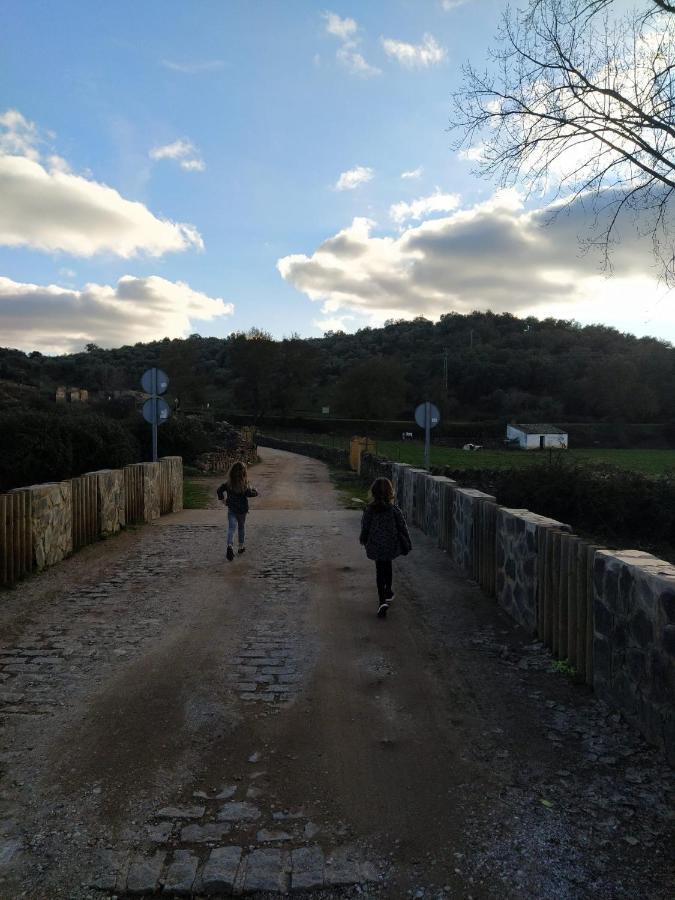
<point x="518" y="539"/>
<point x="151" y="491"/>
<point x="111" y="507"/>
<point x="634" y="640"/>
<point x="52" y="522"/>
<point x="54" y="528"/>
<point x="465" y="513"/>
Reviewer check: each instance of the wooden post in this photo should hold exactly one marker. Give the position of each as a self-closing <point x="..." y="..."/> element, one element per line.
<point x="562" y="597"/>
<point x="590" y="618"/>
<point x="572" y="600"/>
<point x="3" y="539"/>
<point x="582" y="608"/>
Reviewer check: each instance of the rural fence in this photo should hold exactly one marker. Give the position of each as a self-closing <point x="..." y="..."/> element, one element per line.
<point x="609" y="615"/>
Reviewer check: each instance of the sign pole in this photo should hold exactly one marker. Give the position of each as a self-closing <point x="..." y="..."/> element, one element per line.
<point x="427" y="434"/>
<point x="155" y="417"/>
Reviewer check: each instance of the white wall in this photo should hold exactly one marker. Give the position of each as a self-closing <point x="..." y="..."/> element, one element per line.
<point x="531" y="441"/>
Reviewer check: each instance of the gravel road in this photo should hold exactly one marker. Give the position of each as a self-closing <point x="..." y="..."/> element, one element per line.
<point x="171" y="719"/>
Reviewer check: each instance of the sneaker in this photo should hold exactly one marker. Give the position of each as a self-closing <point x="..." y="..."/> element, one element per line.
<point x="390" y="596"/>
<point x="230" y="553"/>
<point x="382" y="611"/>
<point x="241" y="550"/>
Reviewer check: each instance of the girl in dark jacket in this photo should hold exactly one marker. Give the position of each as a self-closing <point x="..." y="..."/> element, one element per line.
<point x="385" y="536"/>
<point x="238" y="491"/>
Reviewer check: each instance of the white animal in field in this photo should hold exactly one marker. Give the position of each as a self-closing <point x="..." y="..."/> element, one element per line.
<point x="472" y="447"/>
<point x="407" y="436"/>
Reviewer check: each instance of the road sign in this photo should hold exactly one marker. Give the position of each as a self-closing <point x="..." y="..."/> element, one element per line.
<point x="421" y="415"/>
<point x="152" y="386"/>
<point x="427" y="416"/>
<point x="156" y="410"/>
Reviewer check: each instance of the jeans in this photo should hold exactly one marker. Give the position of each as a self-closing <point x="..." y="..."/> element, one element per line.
<point x="383" y="574"/>
<point x="235" y="520"/>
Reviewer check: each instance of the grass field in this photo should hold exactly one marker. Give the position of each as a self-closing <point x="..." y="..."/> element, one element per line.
<point x="195" y="493"/>
<point x="649" y="462"/>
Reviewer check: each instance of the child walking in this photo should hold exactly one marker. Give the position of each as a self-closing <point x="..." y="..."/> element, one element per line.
<point x="238" y="491"/>
<point x="385" y="536"/>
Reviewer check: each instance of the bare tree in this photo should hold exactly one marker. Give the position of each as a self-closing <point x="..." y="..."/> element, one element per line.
<point x="580" y="102"/>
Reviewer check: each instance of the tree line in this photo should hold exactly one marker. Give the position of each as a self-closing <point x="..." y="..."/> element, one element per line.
<point x="476" y="366"/>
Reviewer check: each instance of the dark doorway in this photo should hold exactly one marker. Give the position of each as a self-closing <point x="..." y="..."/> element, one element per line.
<point x="542" y="441"/>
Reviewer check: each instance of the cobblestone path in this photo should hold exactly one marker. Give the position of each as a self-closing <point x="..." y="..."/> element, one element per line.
<point x="173" y="722"/>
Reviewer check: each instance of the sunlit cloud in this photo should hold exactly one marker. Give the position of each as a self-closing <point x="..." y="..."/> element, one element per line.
<point x="494" y="256"/>
<point x="413" y="173"/>
<point x="349" y="54"/>
<point x="47" y="207"/>
<point x="424" y="206"/>
<point x="184" y="152"/>
<point x="415" y="56"/>
<point x="57" y="319"/>
<point x="194" y="68"/>
<point x="351" y="179"/>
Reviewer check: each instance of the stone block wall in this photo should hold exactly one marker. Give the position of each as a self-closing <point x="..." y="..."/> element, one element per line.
<point x="51" y="522"/>
<point x="151" y="491"/>
<point x="517" y="565"/>
<point x="465" y="505"/>
<point x="111" y="506"/>
<point x="634" y="640"/>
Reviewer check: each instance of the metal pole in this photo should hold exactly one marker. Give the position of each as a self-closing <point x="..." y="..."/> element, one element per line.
<point x="155" y="414"/>
<point x="427" y="434"/>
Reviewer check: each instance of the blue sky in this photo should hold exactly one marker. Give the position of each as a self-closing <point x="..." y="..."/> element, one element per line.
<point x="264" y="146"/>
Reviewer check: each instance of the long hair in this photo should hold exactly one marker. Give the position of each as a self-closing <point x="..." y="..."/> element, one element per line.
<point x="382" y="491"/>
<point x="237" y="478"/>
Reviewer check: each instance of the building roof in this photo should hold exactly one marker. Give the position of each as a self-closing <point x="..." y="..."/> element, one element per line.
<point x="539" y="429"/>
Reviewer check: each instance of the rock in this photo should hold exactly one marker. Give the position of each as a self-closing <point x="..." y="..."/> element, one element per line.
<point x="308" y="868"/>
<point x="144" y="873"/>
<point x="238" y="812"/>
<point x="220" y="871"/>
<point x="200" y="834"/>
<point x="181" y="874"/>
<point x="182" y="812"/>
<point x="160" y="834"/>
<point x="265" y="836"/>
<point x="267" y="870"/>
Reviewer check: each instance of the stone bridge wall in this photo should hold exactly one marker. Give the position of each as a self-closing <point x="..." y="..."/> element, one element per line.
<point x="610" y="615"/>
<point x="52" y="520"/>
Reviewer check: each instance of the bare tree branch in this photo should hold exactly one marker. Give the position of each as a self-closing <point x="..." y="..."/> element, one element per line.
<point x="580" y="100"/>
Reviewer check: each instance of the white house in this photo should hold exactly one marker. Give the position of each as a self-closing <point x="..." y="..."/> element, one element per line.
<point x="537" y="437"/>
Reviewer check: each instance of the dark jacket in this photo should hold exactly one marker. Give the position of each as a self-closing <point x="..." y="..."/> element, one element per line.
<point x="384" y="532"/>
<point x="236" y="502"/>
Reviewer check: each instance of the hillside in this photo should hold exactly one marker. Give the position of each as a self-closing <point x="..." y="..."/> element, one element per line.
<point x="495" y="367"/>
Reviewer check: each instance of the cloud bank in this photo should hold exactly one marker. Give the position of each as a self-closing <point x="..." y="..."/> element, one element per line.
<point x="54" y="319"/>
<point x="47" y="207"/>
<point x="495" y="255"/>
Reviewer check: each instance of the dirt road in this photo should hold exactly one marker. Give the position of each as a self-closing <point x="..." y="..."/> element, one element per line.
<point x="169" y="718"/>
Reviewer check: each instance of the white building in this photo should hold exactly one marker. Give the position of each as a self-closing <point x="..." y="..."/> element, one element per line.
<point x="537" y="437"/>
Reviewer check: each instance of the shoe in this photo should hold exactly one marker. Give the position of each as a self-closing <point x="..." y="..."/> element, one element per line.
<point x="230" y="553"/>
<point x="382" y="611"/>
<point x="241" y="550"/>
<point x="390" y="596"/>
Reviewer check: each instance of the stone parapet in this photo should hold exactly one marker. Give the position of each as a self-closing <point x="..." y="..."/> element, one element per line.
<point x="171" y="499"/>
<point x="634" y="640"/>
<point x="151" y="491"/>
<point x="51" y="522"/>
<point x="517" y="562"/>
<point x="465" y="516"/>
<point x="111" y="505"/>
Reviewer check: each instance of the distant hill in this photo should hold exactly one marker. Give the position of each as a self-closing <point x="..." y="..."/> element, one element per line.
<point x="494" y="366"/>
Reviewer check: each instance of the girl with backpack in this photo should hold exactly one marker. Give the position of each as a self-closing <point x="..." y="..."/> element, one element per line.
<point x="238" y="490"/>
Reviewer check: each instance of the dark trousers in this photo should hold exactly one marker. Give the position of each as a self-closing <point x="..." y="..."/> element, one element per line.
<point x="383" y="575"/>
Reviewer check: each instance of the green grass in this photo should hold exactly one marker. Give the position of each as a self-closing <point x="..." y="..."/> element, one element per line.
<point x="649" y="462"/>
<point x="353" y="492"/>
<point x="196" y="493"/>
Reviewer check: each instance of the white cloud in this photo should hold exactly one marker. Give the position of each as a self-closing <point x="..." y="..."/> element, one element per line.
<point x="495" y="255"/>
<point x="428" y="53"/>
<point x="448" y="5"/>
<point x="207" y="65"/>
<point x="422" y="207"/>
<point x="55" y="319"/>
<point x="413" y="173"/>
<point x="345" y="29"/>
<point x="353" y="178"/>
<point x="336" y="323"/>
<point x="47" y="207"/>
<point x="184" y="152"/>
<point x="354" y="61"/>
<point x="348" y="54"/>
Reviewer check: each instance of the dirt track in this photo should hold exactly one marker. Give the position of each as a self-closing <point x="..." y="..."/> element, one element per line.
<point x="158" y="702"/>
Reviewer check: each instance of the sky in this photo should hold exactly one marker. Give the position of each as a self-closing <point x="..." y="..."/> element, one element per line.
<point x="174" y="167"/>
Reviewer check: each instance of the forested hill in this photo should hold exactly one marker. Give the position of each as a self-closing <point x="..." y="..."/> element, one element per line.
<point x="494" y="366"/>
